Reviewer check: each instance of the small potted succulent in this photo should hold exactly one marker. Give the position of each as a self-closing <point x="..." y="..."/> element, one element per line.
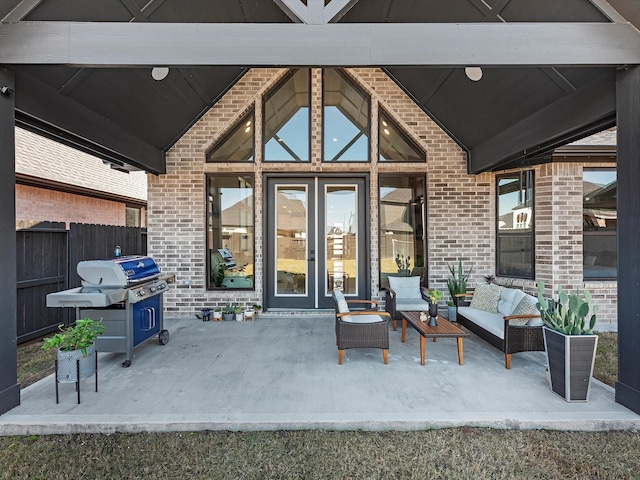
<point x="228" y="312"/>
<point x="238" y="313"/>
<point x="217" y="314"/>
<point x="76" y="342"/>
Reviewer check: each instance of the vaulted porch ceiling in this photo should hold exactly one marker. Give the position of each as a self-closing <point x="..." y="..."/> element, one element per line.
<point x="83" y="68"/>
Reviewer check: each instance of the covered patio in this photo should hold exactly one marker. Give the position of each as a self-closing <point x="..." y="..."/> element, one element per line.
<point x="281" y="373"/>
<point x="553" y="73"/>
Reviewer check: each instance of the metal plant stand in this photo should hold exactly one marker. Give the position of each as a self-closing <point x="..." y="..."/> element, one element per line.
<point x="77" y="382"/>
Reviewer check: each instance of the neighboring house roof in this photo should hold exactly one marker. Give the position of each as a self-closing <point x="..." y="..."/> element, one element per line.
<point x="606" y="137"/>
<point x="47" y="163"/>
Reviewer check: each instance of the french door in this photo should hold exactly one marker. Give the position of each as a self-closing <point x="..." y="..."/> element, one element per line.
<point x="316" y="241"/>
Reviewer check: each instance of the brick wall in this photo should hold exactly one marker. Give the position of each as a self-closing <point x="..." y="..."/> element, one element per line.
<point x="40" y="204"/>
<point x="461" y="207"/>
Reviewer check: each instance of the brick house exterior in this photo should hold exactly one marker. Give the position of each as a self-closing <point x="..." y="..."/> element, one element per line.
<point x="58" y="183"/>
<point x="461" y="208"/>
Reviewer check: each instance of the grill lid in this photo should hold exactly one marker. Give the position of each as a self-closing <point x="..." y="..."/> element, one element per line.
<point x="117" y="272"/>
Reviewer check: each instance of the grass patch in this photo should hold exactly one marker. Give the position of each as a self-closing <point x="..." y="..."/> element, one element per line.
<point x="461" y="453"/>
<point x="34" y="363"/>
<point x="606" y="366"/>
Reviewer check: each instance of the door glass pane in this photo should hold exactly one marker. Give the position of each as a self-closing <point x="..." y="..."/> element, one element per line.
<point x="291" y="205"/>
<point x="341" y="227"/>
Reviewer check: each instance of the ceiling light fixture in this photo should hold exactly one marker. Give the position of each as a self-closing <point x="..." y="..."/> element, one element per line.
<point x="473" y="73"/>
<point x="159" y="73"/>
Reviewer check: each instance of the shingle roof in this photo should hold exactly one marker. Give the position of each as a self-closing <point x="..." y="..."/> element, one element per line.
<point x="41" y="157"/>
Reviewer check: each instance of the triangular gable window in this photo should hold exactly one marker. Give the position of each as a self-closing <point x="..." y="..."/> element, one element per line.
<point x="237" y="145"/>
<point x="395" y="144"/>
<point x="346" y="119"/>
<point x="287" y="119"/>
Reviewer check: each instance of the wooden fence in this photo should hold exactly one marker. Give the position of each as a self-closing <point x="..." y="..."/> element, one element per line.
<point x="47" y="254"/>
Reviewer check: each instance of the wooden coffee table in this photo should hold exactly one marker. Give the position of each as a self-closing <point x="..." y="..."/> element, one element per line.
<point x="444" y="329"/>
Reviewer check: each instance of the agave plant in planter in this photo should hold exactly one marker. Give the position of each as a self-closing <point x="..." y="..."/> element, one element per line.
<point x="569" y="341"/>
<point x="76" y="351"/>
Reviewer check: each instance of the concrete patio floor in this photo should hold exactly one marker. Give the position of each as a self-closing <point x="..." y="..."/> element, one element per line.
<point x="281" y="372"/>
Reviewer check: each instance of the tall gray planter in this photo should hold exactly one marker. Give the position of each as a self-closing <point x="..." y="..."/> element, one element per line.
<point x="68" y="367"/>
<point x="570" y="359"/>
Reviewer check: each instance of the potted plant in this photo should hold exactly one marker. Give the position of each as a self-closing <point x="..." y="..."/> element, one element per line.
<point x="434" y="297"/>
<point x="217" y="314"/>
<point x="76" y="342"/>
<point x="451" y="307"/>
<point x="256" y="308"/>
<point x="457" y="282"/>
<point x="238" y="313"/>
<point x="249" y="313"/>
<point x="403" y="265"/>
<point x="569" y="341"/>
<point x="228" y="312"/>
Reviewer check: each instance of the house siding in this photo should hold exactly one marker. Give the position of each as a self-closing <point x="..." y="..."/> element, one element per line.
<point x="460" y="207"/>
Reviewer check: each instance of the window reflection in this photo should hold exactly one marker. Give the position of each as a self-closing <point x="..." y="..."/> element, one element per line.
<point x="346" y="119"/>
<point x="341" y="226"/>
<point x="230" y="231"/>
<point x="600" y="223"/>
<point x="402" y="231"/>
<point x="395" y="145"/>
<point x="515" y="225"/>
<point x="286" y="120"/>
<point x="237" y="145"/>
<point x="291" y="240"/>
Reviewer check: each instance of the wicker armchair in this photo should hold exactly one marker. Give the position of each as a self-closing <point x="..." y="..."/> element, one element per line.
<point x="367" y="328"/>
<point x="405" y="293"/>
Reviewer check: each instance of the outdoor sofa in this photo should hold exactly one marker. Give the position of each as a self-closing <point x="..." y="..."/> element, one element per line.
<point x="507" y="318"/>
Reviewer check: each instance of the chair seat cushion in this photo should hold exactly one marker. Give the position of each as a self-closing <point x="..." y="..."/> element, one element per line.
<point x="411" y="304"/>
<point x="362" y="318"/>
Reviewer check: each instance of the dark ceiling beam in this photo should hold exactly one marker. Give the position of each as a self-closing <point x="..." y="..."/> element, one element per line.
<point x="20" y="11"/>
<point x="587" y="110"/>
<point x="339" y="44"/>
<point x="42" y="109"/>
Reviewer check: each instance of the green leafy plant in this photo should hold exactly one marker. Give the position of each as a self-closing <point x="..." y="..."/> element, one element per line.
<point x="402" y="263"/>
<point x="457" y="282"/>
<point x="435" y="296"/>
<point x="76" y="337"/>
<point x="228" y="308"/>
<point x="569" y="313"/>
<point x="257" y="307"/>
<point x="237" y="309"/>
<point x="218" y="274"/>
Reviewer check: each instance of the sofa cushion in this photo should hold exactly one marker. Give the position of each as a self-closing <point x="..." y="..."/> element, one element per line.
<point x="491" y="322"/>
<point x="411" y="304"/>
<point x="343" y="306"/>
<point x="405" y="287"/>
<point x="361" y="318"/>
<point x="509" y="299"/>
<point x="485" y="297"/>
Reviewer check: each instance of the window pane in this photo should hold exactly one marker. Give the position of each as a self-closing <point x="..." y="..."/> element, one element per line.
<point x="291" y="240"/>
<point x="346" y="120"/>
<point x="341" y="227"/>
<point x="515" y="225"/>
<point x="237" y="145"/>
<point x="286" y="120"/>
<point x="402" y="213"/>
<point x="600" y="223"/>
<point x="515" y="256"/>
<point x="395" y="145"/>
<point x="230" y="234"/>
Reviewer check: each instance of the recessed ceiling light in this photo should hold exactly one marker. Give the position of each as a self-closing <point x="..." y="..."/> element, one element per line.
<point x="159" y="73"/>
<point x="473" y="73"/>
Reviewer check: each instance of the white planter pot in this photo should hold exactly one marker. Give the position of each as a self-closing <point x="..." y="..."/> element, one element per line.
<point x="249" y="314"/>
<point x="570" y="359"/>
<point x="217" y="316"/>
<point x="239" y="317"/>
<point x="68" y="367"/>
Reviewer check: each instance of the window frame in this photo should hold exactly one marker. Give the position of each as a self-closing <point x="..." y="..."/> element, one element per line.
<point x="356" y="86"/>
<point x="523" y="174"/>
<point x="407" y="138"/>
<point x="249" y="114"/>
<point x="425" y="227"/>
<point x="599" y="233"/>
<point x="208" y="282"/>
<point x="267" y="95"/>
